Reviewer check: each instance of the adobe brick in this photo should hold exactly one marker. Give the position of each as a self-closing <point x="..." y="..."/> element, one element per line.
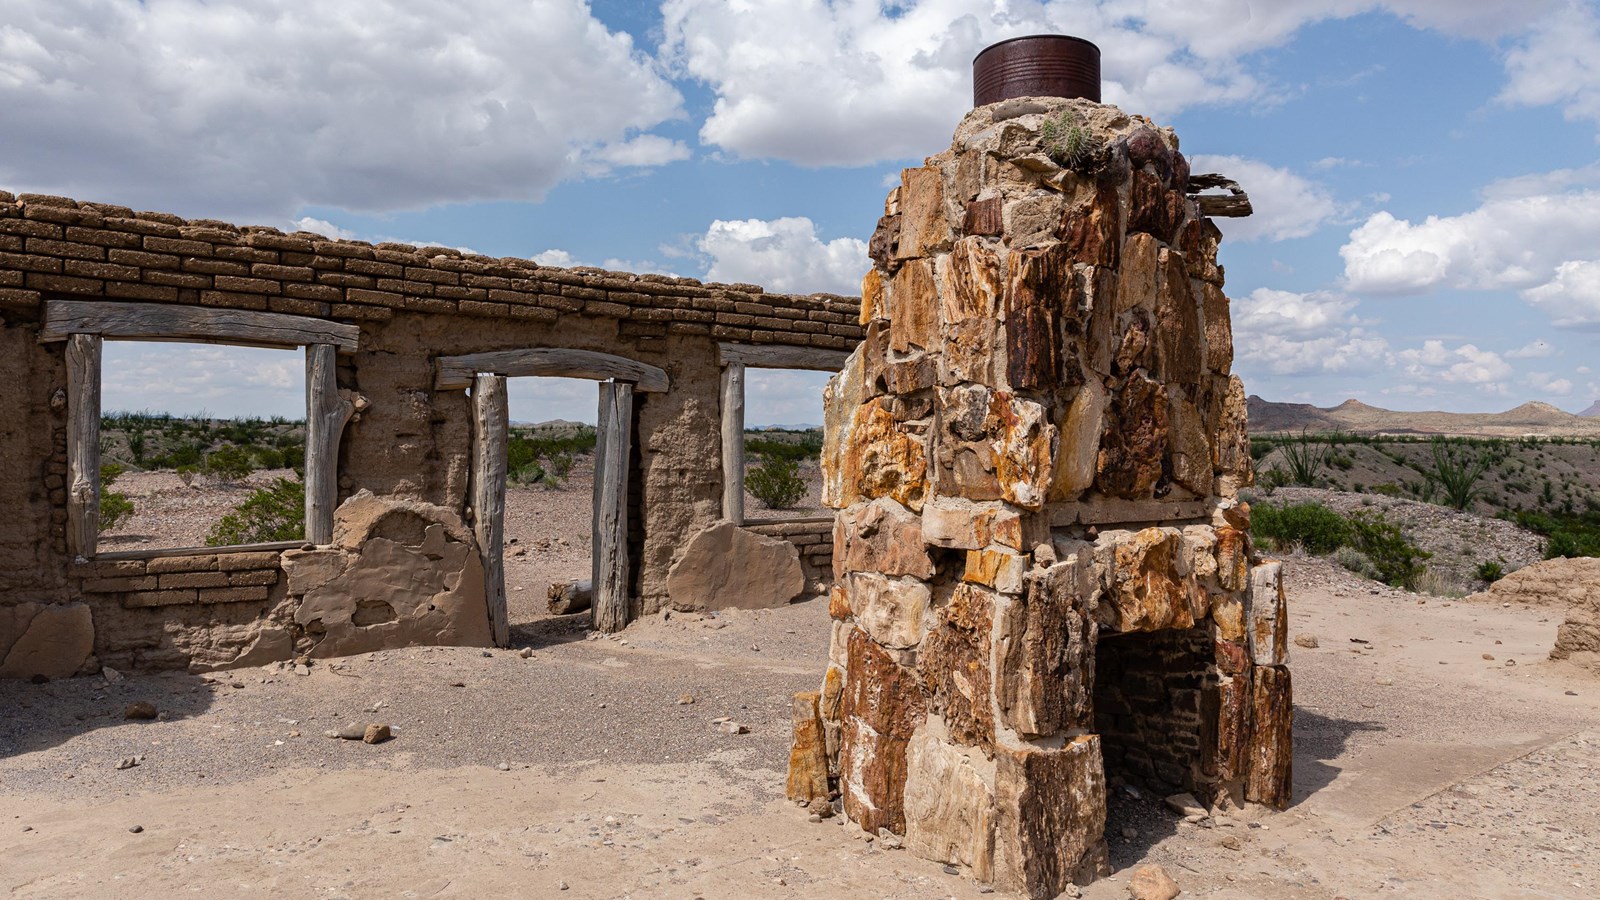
<point x="232" y="300"/>
<point x="64" y="249"/>
<point x="161" y="217"/>
<point x="142" y="259"/>
<point x="615" y="310"/>
<point x="323" y="292"/>
<point x="48" y="200"/>
<point x="211" y="234"/>
<point x="119" y="585"/>
<point x="457" y="292"/>
<point x="648" y="314"/>
<point x="101" y="237"/>
<point x="582" y="293"/>
<point x="281" y="242"/>
<point x="103" y="270"/>
<point x="409" y="288"/>
<point x="248" y="559"/>
<point x="429" y="304"/>
<point x="257" y="577"/>
<point x="177" y="279"/>
<point x="248" y="285"/>
<point x="177" y="245"/>
<point x="32" y="229"/>
<point x="63" y="216"/>
<point x="688" y="328"/>
<point x="234" y="595"/>
<point x="492" y="282"/>
<point x="200" y="562"/>
<point x="403" y="254"/>
<point x="381" y="298"/>
<point x="214" y="266"/>
<point x="374" y="267"/>
<point x="565" y="304"/>
<point x="66" y="284"/>
<point x="735" y="319"/>
<point x="28" y="263"/>
<point x="693" y="315"/>
<point x="10" y="242"/>
<point x="536" y="313"/>
<point x="346" y="249"/>
<point x="193" y="580"/>
<point x="142" y="226"/>
<point x="141" y="599"/>
<point x="134" y="291"/>
<point x="431" y="275"/>
<point x="247" y="254"/>
<point x="281" y="273"/>
<point x="10" y="278"/>
<point x="347" y="280"/>
<point x="296" y="307"/>
<point x="479" y="308"/>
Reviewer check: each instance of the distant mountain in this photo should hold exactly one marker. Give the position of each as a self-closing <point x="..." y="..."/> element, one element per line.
<point x="1531" y="418"/>
<point x="1593" y="410"/>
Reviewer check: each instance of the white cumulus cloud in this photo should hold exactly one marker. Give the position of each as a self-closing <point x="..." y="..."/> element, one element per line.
<point x="1285" y="333"/>
<point x="1286" y="205"/>
<point x="1572" y="298"/>
<point x="784" y="255"/>
<point x="1465" y="364"/>
<point x="1558" y="63"/>
<point x="254" y="110"/>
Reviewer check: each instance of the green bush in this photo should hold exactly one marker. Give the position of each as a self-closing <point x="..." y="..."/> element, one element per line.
<point x="1457" y="471"/>
<point x="276" y="512"/>
<point x="1306" y="457"/>
<point x="1311" y="525"/>
<point x="1399" y="562"/>
<point x="115" y="506"/>
<point x="776" y="483"/>
<point x="1490" y="571"/>
<point x="229" y="463"/>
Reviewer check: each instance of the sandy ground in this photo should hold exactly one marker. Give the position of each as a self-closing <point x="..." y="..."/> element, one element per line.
<point x="169" y="513"/>
<point x="1422" y="769"/>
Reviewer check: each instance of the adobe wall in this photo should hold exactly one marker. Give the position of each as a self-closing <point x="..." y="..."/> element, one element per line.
<point x="410" y="444"/>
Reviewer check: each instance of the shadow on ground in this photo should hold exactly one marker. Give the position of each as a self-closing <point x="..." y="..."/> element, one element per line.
<point x="42" y="716"/>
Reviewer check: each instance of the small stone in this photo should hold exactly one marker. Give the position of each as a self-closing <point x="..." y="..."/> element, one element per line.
<point x="1386" y="681"/>
<point x="1572" y="693"/>
<point x="1306" y="639"/>
<point x="526" y="653"/>
<point x="112" y="676"/>
<point x="301" y="669"/>
<point x="352" y="732"/>
<point x="562" y="885"/>
<point x="1186" y="805"/>
<point x="504" y="767"/>
<point x="40" y="679"/>
<point x="377" y="734"/>
<point x="127" y="762"/>
<point x="1130" y="833"/>
<point x="685" y="699"/>
<point x="1511" y="662"/>
<point x="1232" y="843"/>
<point x="1071" y="892"/>
<point x="1489" y="656"/>
<point x="733" y="728"/>
<point x="814" y="819"/>
<point x="135" y="829"/>
<point x="1152" y="883"/>
<point x="487" y="654"/>
<point x="139" y="710"/>
<point x="888" y="840"/>
<point x="821" y="807"/>
<point x="951" y="870"/>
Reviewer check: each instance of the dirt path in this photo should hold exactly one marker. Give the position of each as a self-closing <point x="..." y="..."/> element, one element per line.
<point x="1462" y="777"/>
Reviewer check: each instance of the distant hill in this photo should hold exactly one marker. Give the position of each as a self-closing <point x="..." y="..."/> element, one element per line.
<point x="1353" y="416"/>
<point x="1593" y="410"/>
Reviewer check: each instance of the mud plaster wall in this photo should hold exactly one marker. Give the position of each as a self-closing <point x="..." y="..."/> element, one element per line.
<point x="410" y="443"/>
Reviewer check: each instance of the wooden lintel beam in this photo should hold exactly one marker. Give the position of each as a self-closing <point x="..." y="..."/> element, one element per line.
<point x="171" y="322"/>
<point x="457" y="372"/>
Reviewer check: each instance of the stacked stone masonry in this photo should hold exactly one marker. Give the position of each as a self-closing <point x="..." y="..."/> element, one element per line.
<point x="1041" y="566"/>
<point x="813" y="539"/>
<point x="409" y="446"/>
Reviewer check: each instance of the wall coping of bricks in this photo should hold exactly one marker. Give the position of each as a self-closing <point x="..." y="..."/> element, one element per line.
<point x="53" y="246"/>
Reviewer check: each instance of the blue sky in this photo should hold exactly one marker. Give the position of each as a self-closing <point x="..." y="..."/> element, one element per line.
<point x="1425" y="171"/>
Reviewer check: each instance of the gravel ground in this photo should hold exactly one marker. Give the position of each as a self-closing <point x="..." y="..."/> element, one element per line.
<point x="169" y="513"/>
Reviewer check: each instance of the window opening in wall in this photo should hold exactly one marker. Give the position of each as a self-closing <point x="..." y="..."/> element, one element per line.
<point x="200" y="445"/>
<point x="783" y="444"/>
<point x="549" y="508"/>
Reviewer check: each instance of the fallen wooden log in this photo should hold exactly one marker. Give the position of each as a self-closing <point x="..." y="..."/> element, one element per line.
<point x="567" y="597"/>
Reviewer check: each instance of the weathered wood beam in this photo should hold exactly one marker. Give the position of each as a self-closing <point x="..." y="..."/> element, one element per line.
<point x="491" y="424"/>
<point x="326" y="415"/>
<point x="170" y="322"/>
<point x="169" y="552"/>
<point x="455" y="372"/>
<point x="1234" y="204"/>
<point x="776" y="356"/>
<point x="733" y="442"/>
<point x="613" y="452"/>
<point x="83" y="444"/>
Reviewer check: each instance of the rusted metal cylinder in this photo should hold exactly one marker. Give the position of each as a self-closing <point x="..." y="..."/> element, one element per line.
<point x="1039" y="65"/>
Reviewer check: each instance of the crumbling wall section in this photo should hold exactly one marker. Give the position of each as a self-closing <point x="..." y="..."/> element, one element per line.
<point x="409" y="441"/>
<point x="1034" y="453"/>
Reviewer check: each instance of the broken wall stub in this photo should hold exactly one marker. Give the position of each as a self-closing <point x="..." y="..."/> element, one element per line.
<point x="1035" y="456"/>
<point x="411" y="442"/>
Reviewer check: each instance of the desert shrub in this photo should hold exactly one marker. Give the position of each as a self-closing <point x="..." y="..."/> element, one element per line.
<point x="559" y="465"/>
<point x="276" y="512"/>
<point x="136" y="445"/>
<point x="1388" y="489"/>
<point x="776" y="483"/>
<point x="115" y="506"/>
<point x="229" y="463"/>
<point x="1356" y="561"/>
<point x="767" y="448"/>
<point x="1341" y="462"/>
<point x="268" y="457"/>
<point x="1457" y="472"/>
<point x="1310" y="525"/>
<point x="1567" y="534"/>
<point x="1489" y="571"/>
<point x="529" y="473"/>
<point x="1306" y="457"/>
<point x="1272" y="479"/>
<point x="1399" y="562"/>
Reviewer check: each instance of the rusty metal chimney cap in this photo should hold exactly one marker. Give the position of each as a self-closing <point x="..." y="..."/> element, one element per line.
<point x="1036" y="65"/>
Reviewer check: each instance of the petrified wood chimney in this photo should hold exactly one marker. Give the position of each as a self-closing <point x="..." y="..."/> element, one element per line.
<point x="1042" y="571"/>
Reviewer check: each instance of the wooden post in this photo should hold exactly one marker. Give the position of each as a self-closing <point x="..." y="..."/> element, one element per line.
<point x="733" y="442"/>
<point x="491" y="424"/>
<point x="83" y="444"/>
<point x="613" y="454"/>
<point x="326" y="415"/>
